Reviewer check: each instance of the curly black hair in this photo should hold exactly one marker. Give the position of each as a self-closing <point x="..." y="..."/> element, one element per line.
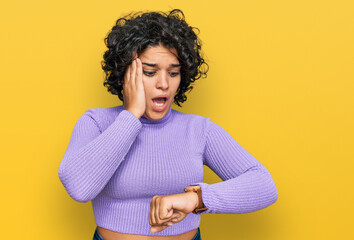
<point x="137" y="31"/>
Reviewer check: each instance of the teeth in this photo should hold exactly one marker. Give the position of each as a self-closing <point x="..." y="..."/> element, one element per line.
<point x="157" y="104"/>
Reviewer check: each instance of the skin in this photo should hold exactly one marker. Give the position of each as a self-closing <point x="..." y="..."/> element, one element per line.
<point x="168" y="209"/>
<point x="141" y="84"/>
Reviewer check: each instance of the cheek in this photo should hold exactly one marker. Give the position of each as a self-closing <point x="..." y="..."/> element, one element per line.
<point x="145" y="82"/>
<point x="176" y="84"/>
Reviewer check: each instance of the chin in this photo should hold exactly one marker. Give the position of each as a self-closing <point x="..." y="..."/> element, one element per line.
<point x="153" y="115"/>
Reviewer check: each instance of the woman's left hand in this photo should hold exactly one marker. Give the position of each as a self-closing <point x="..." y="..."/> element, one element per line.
<point x="164" y="208"/>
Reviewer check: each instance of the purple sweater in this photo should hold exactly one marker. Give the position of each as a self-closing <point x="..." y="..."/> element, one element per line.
<point x="119" y="162"/>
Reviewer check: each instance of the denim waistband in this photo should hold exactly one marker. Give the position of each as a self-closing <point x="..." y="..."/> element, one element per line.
<point x="97" y="235"/>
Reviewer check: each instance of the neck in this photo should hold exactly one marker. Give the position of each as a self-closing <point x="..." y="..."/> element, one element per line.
<point x="144" y="120"/>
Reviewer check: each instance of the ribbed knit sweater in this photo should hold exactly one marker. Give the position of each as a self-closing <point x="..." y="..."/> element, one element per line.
<point x="119" y="162"/>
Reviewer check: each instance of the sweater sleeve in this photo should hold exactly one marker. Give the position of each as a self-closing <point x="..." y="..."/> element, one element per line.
<point x="93" y="156"/>
<point x="247" y="185"/>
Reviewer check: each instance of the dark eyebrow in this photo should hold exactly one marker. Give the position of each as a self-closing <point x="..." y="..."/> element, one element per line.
<point x="154" y="64"/>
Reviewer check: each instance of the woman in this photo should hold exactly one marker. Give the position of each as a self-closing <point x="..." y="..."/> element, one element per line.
<point x="141" y="163"/>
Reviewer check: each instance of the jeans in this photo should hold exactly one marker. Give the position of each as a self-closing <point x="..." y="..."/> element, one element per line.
<point x="98" y="236"/>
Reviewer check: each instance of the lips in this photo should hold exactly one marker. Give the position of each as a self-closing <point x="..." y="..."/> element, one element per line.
<point x="165" y="96"/>
<point x="160" y="102"/>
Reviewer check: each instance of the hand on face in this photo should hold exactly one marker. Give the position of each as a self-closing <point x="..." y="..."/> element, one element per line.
<point x="133" y="89"/>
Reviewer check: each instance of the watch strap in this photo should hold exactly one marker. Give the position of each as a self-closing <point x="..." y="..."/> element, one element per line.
<point x="198" y="190"/>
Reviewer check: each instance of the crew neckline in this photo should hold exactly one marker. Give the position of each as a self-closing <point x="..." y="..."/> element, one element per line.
<point x="165" y="118"/>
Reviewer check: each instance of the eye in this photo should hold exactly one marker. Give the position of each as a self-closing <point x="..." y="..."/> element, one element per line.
<point x="174" y="74"/>
<point x="150" y="74"/>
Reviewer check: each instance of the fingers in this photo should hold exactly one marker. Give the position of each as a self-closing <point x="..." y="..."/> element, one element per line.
<point x="154" y="216"/>
<point x="127" y="76"/>
<point x="152" y="212"/>
<point x="133" y="72"/>
<point x="139" y="70"/>
<point x="160" y="212"/>
<point x="130" y="74"/>
<point x="157" y="211"/>
<point x="157" y="228"/>
<point x="176" y="217"/>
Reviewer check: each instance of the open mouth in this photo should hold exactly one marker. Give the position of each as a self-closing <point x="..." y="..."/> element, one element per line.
<point x="159" y="101"/>
<point x="159" y="104"/>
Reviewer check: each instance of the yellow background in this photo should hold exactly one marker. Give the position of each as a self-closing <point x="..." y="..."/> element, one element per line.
<point x="280" y="82"/>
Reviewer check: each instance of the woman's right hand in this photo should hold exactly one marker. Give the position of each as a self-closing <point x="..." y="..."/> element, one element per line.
<point x="133" y="89"/>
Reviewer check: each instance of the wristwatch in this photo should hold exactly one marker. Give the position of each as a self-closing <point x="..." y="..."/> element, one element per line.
<point x="198" y="190"/>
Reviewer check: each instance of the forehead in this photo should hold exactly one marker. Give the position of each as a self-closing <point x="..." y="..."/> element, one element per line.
<point x="160" y="54"/>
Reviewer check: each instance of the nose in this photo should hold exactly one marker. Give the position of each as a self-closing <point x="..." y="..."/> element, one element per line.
<point x="162" y="80"/>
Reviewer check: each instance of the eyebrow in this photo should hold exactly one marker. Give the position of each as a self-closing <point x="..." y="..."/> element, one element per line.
<point x="154" y="64"/>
